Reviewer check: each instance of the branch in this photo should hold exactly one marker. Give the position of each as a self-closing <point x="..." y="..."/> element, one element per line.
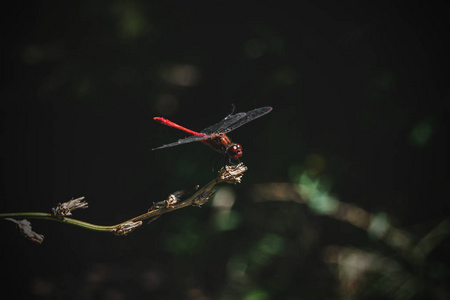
<point x="229" y="174"/>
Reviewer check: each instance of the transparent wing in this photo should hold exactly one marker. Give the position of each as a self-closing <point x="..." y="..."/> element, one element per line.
<point x="224" y="123"/>
<point x="184" y="141"/>
<point x="247" y="117"/>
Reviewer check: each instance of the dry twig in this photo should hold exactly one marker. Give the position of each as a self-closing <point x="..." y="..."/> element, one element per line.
<point x="228" y="174"/>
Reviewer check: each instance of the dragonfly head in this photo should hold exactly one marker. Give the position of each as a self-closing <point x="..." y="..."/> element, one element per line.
<point x="235" y="151"/>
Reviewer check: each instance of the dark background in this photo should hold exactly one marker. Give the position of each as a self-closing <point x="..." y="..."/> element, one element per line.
<point x="361" y="102"/>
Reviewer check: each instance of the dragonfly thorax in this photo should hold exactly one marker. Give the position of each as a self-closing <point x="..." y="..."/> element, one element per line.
<point x="234" y="151"/>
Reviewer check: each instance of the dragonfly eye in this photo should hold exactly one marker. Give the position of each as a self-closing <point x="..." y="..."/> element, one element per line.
<point x="235" y="151"/>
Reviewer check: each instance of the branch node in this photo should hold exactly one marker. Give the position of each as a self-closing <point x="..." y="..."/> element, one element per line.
<point x="126" y="228"/>
<point x="232" y="173"/>
<point x="65" y="209"/>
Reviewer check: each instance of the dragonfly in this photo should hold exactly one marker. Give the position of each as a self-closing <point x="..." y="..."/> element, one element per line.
<point x="215" y="136"/>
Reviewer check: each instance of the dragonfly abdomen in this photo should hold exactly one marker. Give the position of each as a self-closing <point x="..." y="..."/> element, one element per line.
<point x="176" y="126"/>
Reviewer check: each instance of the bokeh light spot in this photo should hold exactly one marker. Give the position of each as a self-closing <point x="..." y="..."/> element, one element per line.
<point x="224" y="218"/>
<point x="283" y="76"/>
<point x="378" y="225"/>
<point x="224" y="198"/>
<point x="257" y="294"/>
<point x="254" y="48"/>
<point x="131" y="18"/>
<point x="315" y="191"/>
<point x="237" y="267"/>
<point x="227" y="220"/>
<point x="181" y="74"/>
<point x="323" y="203"/>
<point x="271" y="244"/>
<point x="385" y="82"/>
<point x="421" y="133"/>
<point x="38" y="53"/>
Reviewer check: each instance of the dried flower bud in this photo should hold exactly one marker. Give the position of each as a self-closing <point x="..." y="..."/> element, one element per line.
<point x="25" y="229"/>
<point x="203" y="198"/>
<point x="64" y="209"/>
<point x="126" y="228"/>
<point x="232" y="173"/>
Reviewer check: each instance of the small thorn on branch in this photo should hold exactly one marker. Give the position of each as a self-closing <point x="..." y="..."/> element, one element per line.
<point x="25" y="229"/>
<point x="65" y="209"/>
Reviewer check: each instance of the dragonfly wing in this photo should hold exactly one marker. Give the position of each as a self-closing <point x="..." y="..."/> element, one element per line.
<point x="184" y="141"/>
<point x="249" y="116"/>
<point x="224" y="123"/>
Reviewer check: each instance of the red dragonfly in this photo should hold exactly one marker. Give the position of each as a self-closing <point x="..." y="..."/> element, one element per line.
<point x="215" y="136"/>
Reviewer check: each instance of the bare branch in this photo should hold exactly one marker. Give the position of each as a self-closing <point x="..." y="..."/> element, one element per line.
<point x="228" y="174"/>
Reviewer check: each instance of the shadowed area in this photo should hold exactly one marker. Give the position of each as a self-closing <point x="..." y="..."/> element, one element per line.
<point x="347" y="190"/>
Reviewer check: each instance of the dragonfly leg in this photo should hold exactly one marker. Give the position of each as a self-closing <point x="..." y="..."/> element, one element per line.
<point x="216" y="162"/>
<point x="231" y="162"/>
